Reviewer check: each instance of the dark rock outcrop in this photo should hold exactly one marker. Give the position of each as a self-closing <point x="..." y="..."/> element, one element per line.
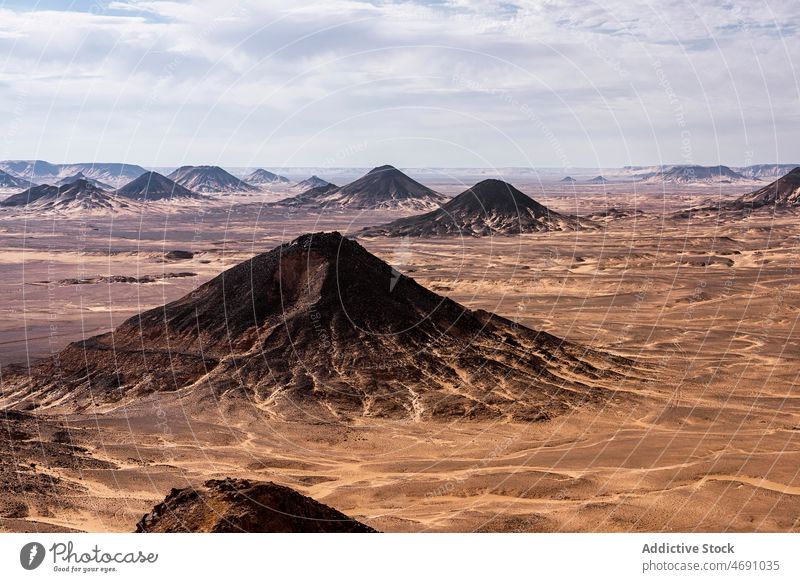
<point x="242" y="506"/>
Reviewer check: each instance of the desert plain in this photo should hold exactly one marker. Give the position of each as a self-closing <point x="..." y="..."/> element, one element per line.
<point x="707" y="440"/>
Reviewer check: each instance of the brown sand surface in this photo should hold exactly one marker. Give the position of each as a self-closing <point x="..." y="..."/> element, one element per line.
<point x="710" y="443"/>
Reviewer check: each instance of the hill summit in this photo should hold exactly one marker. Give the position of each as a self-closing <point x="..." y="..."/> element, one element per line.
<point x="490" y="207"/>
<point x="154" y="186"/>
<point x="209" y="179"/>
<point x="320" y="328"/>
<point x="261" y="177"/>
<point x="80" y="195"/>
<point x="381" y="188"/>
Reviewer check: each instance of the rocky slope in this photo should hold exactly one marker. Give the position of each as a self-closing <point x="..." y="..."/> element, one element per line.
<point x="783" y="192"/>
<point x="491" y="207"/>
<point x="239" y="505"/>
<point x="319" y="328"/>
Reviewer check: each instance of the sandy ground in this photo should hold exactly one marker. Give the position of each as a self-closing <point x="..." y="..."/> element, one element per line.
<point x="712" y="445"/>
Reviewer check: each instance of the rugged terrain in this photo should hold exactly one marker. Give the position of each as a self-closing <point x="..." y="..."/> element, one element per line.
<point x="321" y="328"/>
<point x="706" y="441"/>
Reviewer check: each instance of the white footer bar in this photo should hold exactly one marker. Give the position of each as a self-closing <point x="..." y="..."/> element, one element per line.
<point x="355" y="557"/>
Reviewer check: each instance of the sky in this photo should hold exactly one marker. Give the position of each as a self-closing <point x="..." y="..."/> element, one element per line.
<point x="449" y="83"/>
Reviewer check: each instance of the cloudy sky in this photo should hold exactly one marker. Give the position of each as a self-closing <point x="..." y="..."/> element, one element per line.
<point x="428" y="83"/>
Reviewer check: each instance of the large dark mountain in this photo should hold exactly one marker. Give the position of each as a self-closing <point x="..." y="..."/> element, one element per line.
<point x="153" y="186"/>
<point x="320" y="328"/>
<point x="261" y="177"/>
<point x="242" y="506"/>
<point x="9" y="182"/>
<point x="783" y="192"/>
<point x="79" y="195"/>
<point x="490" y="207"/>
<point x="209" y="179"/>
<point x="382" y="187"/>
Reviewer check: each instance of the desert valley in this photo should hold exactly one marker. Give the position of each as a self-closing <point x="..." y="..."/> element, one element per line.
<point x="399" y="350"/>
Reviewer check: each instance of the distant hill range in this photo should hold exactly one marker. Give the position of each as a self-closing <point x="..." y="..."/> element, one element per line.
<point x="40" y="172"/>
<point x="491" y="207"/>
<point x="209" y="179"/>
<point x="31" y="169"/>
<point x="693" y="175"/>
<point x="9" y="182"/>
<point x="320" y="328"/>
<point x="154" y="186"/>
<point x="78" y="196"/>
<point x="243" y="506"/>
<point x="782" y="193"/>
<point x="383" y="187"/>
<point x="261" y="177"/>
<point x="766" y="171"/>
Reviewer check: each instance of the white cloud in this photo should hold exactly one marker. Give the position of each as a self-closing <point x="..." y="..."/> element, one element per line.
<point x="242" y="82"/>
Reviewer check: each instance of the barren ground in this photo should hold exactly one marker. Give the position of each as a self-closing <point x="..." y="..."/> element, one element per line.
<point x="713" y="445"/>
